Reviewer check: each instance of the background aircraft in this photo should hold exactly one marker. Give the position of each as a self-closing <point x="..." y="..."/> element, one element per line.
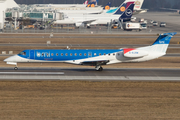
<point x="137" y="7"/>
<point x="93" y="19"/>
<point x="85" y="4"/>
<point x="95" y="58"/>
<point x="88" y="10"/>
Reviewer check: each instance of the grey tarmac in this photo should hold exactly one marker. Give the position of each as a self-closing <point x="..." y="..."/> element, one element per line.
<point x="89" y="74"/>
<point x="78" y="37"/>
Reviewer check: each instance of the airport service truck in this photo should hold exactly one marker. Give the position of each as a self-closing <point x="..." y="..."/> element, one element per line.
<point x="131" y="26"/>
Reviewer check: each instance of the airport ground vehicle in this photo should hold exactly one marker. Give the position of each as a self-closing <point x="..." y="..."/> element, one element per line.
<point x="29" y="27"/>
<point x="155" y="23"/>
<point x="162" y="24"/>
<point x="129" y="26"/>
<point x="143" y="26"/>
<point x="95" y="58"/>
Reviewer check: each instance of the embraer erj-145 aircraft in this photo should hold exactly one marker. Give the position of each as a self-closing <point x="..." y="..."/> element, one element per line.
<point x="95" y="58"/>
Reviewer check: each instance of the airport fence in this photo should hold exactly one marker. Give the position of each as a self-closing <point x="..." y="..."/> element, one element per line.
<point x="65" y="29"/>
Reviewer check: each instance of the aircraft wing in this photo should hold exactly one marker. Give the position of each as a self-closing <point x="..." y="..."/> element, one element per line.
<point x="95" y="63"/>
<point x="170" y="9"/>
<point x="87" y="21"/>
<point x="139" y="11"/>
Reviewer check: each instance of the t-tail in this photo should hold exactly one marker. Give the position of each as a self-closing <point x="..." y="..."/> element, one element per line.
<point x="108" y="6"/>
<point x="159" y="47"/>
<point x="162" y="42"/>
<point x="156" y="50"/>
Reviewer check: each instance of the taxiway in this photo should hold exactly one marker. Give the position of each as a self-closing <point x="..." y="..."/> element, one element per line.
<point x="56" y="74"/>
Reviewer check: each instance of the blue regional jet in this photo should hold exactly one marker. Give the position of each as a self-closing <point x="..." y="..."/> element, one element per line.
<point x="96" y="58"/>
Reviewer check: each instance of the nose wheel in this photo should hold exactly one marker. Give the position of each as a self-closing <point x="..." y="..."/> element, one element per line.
<point x="15" y="68"/>
<point x="99" y="68"/>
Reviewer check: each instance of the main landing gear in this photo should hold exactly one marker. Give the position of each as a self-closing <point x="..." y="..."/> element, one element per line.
<point x="99" y="68"/>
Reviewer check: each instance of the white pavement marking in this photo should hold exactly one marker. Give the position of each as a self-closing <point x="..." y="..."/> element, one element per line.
<point x="33" y="73"/>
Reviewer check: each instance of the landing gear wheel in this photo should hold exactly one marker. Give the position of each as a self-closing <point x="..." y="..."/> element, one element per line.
<point x="99" y="68"/>
<point x="16" y="68"/>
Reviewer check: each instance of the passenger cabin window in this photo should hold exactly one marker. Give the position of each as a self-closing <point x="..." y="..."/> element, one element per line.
<point x="75" y="54"/>
<point x="57" y="54"/>
<point x="71" y="54"/>
<point x="99" y="54"/>
<point x="95" y="54"/>
<point x="52" y="54"/>
<point x="61" y="54"/>
<point x="109" y="54"/>
<point x="22" y="53"/>
<point x="66" y="54"/>
<point x="80" y="54"/>
<point x="104" y="53"/>
<point x="84" y="54"/>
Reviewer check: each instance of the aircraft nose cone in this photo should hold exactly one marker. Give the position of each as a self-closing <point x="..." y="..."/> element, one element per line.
<point x="5" y="60"/>
<point x="11" y="59"/>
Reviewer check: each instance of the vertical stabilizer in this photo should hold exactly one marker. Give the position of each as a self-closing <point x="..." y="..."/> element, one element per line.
<point x="122" y="8"/>
<point x="138" y="4"/>
<point x="128" y="13"/>
<point x="108" y="6"/>
<point x="162" y="42"/>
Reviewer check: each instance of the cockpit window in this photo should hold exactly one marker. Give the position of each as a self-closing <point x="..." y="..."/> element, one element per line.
<point x="22" y="53"/>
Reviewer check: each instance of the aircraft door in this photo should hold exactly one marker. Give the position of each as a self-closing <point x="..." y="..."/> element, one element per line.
<point x="32" y="54"/>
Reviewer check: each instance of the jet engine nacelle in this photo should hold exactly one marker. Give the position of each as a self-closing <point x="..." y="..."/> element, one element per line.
<point x="79" y="24"/>
<point x="133" y="53"/>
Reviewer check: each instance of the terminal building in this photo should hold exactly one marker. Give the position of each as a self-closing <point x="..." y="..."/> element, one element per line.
<point x="5" y="4"/>
<point x="15" y="16"/>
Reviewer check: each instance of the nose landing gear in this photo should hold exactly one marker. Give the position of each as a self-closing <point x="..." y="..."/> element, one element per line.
<point x="15" y="68"/>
